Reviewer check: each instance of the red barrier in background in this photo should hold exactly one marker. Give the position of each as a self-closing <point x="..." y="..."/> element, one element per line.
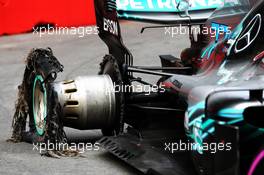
<point x="17" y="16"/>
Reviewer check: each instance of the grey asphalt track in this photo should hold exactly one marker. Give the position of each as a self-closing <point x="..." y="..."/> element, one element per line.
<point x="80" y="56"/>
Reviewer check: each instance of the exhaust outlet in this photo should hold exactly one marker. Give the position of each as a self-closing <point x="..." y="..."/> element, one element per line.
<point x="87" y="102"/>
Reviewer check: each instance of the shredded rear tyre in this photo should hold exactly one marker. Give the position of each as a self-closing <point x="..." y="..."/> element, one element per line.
<point x="110" y="67"/>
<point x="38" y="101"/>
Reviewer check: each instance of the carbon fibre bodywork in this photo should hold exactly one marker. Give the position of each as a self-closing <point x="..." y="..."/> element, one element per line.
<point x="211" y="103"/>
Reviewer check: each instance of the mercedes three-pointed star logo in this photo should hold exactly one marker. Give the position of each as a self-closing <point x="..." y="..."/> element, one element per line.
<point x="249" y="35"/>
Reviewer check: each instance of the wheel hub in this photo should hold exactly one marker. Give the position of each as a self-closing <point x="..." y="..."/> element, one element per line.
<point x="39" y="104"/>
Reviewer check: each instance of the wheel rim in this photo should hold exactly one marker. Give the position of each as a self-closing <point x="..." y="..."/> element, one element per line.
<point x="39" y="105"/>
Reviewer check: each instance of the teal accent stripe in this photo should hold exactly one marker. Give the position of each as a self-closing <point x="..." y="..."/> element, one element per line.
<point x="198" y="118"/>
<point x="193" y="109"/>
<point x="210" y="131"/>
<point x="207" y="123"/>
<point x="231" y="113"/>
<point x="235" y="121"/>
<point x="169" y="6"/>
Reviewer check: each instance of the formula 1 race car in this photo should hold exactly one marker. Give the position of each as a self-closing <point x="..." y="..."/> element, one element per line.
<point x="204" y="115"/>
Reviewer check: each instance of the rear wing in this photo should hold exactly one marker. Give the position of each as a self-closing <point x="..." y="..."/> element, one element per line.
<point x="108" y="12"/>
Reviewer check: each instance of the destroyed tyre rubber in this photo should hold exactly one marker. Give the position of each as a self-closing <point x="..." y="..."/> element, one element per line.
<point x="44" y="109"/>
<point x="110" y="67"/>
<point x="37" y="100"/>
